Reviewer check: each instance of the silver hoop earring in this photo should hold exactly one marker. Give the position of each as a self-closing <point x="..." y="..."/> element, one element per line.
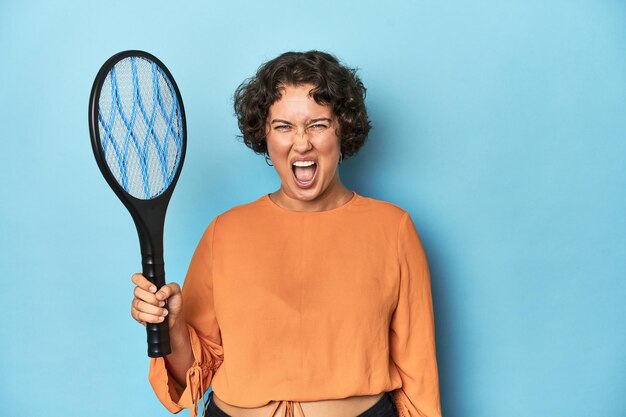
<point x="268" y="161"/>
<point x="340" y="158"/>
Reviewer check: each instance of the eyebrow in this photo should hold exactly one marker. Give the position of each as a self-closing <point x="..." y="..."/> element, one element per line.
<point x="281" y="121"/>
<point x="319" y="119"/>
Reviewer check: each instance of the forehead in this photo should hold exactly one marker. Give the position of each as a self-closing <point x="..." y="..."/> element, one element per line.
<point x="298" y="101"/>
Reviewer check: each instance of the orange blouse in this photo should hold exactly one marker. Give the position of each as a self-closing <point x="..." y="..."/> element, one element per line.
<point x="295" y="306"/>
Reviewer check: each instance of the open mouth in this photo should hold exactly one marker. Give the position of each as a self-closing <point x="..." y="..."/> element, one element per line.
<point x="304" y="173"/>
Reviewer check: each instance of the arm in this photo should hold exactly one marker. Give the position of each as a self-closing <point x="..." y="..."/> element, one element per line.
<point x="181" y="378"/>
<point x="181" y="358"/>
<point x="412" y="334"/>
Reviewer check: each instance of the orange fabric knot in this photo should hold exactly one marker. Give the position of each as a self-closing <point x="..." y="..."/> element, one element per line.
<point x="196" y="388"/>
<point x="288" y="410"/>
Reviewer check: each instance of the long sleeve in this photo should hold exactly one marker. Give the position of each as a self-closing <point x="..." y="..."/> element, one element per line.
<point x="204" y="332"/>
<point x="412" y="336"/>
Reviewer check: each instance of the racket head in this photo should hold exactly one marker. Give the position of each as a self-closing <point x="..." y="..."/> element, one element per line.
<point x="138" y="129"/>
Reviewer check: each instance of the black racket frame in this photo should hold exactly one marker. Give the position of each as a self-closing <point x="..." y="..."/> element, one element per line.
<point x="148" y="215"/>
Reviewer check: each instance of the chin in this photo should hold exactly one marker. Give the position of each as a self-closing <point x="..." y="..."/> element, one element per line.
<point x="306" y="195"/>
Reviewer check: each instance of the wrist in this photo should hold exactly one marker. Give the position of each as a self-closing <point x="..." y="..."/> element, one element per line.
<point x="179" y="334"/>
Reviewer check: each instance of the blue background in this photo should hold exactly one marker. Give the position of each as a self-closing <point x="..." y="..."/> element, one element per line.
<point x="500" y="126"/>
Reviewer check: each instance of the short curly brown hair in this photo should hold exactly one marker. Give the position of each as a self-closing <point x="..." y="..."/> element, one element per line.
<point x="335" y="85"/>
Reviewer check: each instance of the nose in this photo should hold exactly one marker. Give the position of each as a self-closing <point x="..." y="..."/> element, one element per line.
<point x="301" y="141"/>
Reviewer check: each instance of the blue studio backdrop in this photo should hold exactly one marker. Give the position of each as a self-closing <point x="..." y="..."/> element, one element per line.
<point x="500" y="126"/>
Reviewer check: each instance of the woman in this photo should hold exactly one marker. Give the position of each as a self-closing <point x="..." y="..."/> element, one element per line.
<point x="312" y="296"/>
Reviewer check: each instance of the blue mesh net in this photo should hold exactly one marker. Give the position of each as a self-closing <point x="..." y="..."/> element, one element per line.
<point x="141" y="128"/>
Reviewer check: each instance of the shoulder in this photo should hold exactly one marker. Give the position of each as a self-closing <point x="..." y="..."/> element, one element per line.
<point x="381" y="210"/>
<point x="247" y="209"/>
<point x="394" y="219"/>
<point x="242" y="216"/>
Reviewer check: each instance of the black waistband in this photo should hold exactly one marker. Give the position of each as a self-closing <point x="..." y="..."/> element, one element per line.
<point x="213" y="410"/>
<point x="385" y="407"/>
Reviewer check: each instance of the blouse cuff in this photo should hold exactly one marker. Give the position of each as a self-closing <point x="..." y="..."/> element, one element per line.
<point x="170" y="393"/>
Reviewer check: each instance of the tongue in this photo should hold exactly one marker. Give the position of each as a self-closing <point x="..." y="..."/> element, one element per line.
<point x="304" y="174"/>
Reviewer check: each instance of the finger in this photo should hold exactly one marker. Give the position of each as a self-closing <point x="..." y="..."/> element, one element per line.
<point x="143" y="283"/>
<point x="142" y="317"/>
<point x="144" y="307"/>
<point x="148" y="297"/>
<point x="134" y="313"/>
<point x="167" y="291"/>
<point x="143" y="323"/>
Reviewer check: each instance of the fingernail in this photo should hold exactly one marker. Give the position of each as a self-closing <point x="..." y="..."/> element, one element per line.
<point x="152" y="288"/>
<point x="161" y="303"/>
<point x="165" y="312"/>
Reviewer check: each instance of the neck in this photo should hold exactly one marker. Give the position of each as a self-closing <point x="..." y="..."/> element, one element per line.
<point x="334" y="196"/>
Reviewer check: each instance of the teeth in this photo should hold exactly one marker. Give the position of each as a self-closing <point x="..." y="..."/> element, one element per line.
<point x="303" y="163"/>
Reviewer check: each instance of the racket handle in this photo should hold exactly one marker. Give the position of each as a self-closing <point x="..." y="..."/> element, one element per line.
<point x="158" y="339"/>
<point x="158" y="334"/>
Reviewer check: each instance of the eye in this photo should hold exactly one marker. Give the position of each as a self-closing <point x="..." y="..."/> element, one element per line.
<point x="282" y="128"/>
<point x="318" y="126"/>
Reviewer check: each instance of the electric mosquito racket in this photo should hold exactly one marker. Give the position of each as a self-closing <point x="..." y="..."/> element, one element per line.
<point x="139" y="136"/>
